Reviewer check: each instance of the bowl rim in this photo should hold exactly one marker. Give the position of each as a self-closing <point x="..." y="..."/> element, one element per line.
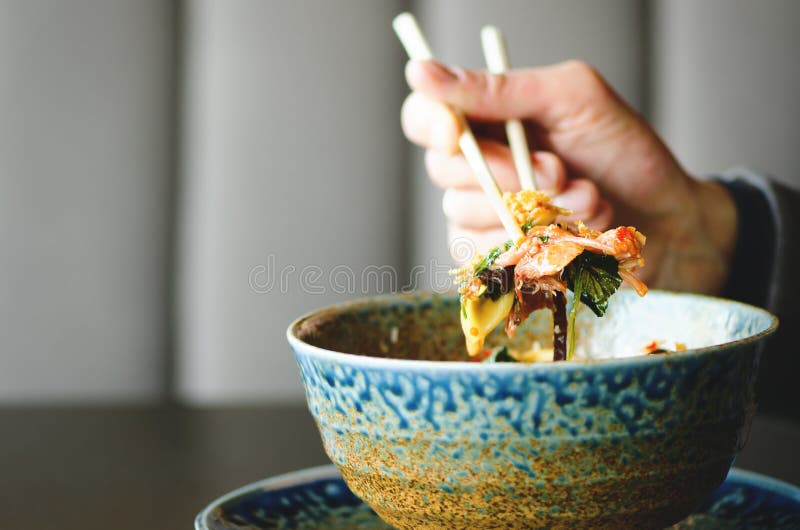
<point x="363" y="360"/>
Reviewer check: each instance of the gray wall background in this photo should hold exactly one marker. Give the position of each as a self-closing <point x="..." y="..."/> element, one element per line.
<point x="154" y="155"/>
<point x="86" y="177"/>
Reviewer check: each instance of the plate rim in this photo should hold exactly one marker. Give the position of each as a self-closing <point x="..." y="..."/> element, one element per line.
<point x="329" y="471"/>
<point x="762" y="481"/>
<point x="284" y="480"/>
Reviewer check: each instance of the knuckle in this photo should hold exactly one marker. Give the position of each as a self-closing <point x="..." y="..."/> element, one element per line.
<point x="581" y="67"/>
<point x="587" y="73"/>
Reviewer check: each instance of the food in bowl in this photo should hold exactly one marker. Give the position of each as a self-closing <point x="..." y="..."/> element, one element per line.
<point x="535" y="272"/>
<point x="617" y="439"/>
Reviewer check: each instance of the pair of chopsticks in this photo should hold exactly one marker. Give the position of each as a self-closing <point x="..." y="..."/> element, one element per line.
<point x="496" y="55"/>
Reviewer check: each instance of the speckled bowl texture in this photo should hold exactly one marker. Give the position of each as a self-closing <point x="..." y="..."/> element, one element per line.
<point x="634" y="441"/>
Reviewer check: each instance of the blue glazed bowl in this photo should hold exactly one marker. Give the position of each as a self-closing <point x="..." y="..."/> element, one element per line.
<point x="633" y="441"/>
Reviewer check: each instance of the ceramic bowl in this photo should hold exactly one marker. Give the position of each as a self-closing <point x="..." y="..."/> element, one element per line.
<point x="430" y="441"/>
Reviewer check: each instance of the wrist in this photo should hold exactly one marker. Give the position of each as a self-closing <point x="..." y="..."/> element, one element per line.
<point x="718" y="215"/>
<point x="699" y="240"/>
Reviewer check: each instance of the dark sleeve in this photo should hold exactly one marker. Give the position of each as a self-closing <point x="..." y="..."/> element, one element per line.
<point x="764" y="272"/>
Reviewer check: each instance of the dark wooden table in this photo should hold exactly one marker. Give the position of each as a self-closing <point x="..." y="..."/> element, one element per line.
<point x="155" y="468"/>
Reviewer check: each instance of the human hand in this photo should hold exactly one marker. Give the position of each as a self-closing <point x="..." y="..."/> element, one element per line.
<point x="592" y="151"/>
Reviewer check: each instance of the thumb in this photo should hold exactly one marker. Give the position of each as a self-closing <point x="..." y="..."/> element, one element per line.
<point x="546" y="95"/>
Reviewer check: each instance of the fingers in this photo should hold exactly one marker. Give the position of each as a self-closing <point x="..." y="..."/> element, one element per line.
<point x="581" y="196"/>
<point x="602" y="218"/>
<point x="587" y="205"/>
<point x="430" y="123"/>
<point x="448" y="171"/>
<point x="546" y="95"/>
<point x="549" y="171"/>
<point x="469" y="209"/>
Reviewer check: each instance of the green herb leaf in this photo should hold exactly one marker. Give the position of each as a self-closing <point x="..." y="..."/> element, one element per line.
<point x="544" y="239"/>
<point x="490" y="258"/>
<point x="599" y="279"/>
<point x="577" y="290"/>
<point x="500" y="355"/>
<point x="527" y="226"/>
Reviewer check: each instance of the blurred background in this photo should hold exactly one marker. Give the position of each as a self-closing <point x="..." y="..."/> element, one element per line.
<point x="169" y="169"/>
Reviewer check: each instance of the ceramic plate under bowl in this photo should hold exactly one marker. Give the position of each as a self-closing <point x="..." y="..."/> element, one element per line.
<point x="318" y="498"/>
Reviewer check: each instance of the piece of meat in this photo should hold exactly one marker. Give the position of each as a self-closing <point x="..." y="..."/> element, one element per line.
<point x="549" y="260"/>
<point x="626" y="243"/>
<point x="543" y="238"/>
